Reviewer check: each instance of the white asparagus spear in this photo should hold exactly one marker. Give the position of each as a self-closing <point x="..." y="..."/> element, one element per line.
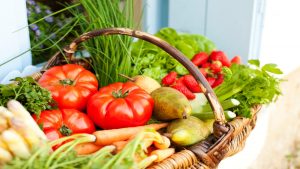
<point x="5" y="115"/>
<point x="5" y="155"/>
<point x="19" y="111"/>
<point x="3" y="145"/>
<point x="30" y="137"/>
<point x="3" y="124"/>
<point x="15" y="143"/>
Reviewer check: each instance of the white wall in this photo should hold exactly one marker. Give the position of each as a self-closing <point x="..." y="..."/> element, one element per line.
<point x="13" y="17"/>
<point x="281" y="36"/>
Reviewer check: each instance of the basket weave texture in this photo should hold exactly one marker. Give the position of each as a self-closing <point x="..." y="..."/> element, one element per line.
<point x="228" y="138"/>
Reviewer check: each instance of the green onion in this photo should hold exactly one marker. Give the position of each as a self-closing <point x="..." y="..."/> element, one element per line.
<point x="110" y="55"/>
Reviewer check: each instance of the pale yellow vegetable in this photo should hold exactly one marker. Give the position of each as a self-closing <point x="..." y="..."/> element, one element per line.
<point x="3" y="145"/>
<point x="164" y="144"/>
<point x="5" y="113"/>
<point x="16" y="143"/>
<point x="156" y="156"/>
<point x="5" y="155"/>
<point x="162" y="154"/>
<point x="144" y="82"/>
<point x="30" y="137"/>
<point x="3" y="124"/>
<point x="20" y="112"/>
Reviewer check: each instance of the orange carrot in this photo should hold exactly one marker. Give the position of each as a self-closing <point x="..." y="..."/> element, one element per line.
<point x="163" y="145"/>
<point x="107" y="137"/>
<point x="120" y="145"/>
<point x="162" y="154"/>
<point x="86" y="148"/>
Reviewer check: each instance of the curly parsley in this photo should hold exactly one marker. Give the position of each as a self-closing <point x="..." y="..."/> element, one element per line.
<point x="28" y="92"/>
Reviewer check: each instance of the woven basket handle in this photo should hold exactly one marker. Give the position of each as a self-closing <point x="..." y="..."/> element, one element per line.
<point x="219" y="127"/>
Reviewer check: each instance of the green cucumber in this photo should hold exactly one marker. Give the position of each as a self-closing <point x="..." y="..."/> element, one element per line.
<point x="201" y="107"/>
<point x="226" y="104"/>
<point x="229" y="115"/>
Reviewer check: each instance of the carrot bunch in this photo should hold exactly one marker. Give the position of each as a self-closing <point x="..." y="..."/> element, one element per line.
<point x="135" y="147"/>
<point x="115" y="137"/>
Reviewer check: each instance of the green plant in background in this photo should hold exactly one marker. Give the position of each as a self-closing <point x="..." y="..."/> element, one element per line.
<point x="40" y="31"/>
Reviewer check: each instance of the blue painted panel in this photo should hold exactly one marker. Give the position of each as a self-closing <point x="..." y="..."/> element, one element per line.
<point x="188" y="16"/>
<point x="155" y="15"/>
<point x="233" y="25"/>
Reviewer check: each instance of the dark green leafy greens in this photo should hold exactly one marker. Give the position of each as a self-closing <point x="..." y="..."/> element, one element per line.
<point x="152" y="61"/>
<point x="250" y="85"/>
<point x="28" y="92"/>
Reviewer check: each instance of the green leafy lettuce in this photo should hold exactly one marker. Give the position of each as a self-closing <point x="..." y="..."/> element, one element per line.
<point x="152" y="61"/>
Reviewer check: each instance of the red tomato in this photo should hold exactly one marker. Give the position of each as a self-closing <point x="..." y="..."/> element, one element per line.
<point x="70" y="85"/>
<point x="57" y="124"/>
<point x="120" y="105"/>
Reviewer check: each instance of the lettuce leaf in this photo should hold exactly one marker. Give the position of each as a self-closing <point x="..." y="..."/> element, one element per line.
<point x="152" y="61"/>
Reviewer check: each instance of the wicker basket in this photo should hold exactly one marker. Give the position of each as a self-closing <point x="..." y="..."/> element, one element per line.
<point x="227" y="139"/>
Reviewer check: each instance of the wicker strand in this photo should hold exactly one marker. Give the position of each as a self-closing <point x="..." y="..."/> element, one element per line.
<point x="199" y="165"/>
<point x="36" y="75"/>
<point x="238" y="142"/>
<point x="181" y="160"/>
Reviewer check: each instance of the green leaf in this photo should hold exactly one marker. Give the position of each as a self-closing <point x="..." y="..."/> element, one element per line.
<point x="254" y="62"/>
<point x="250" y="87"/>
<point x="180" y="69"/>
<point x="186" y="49"/>
<point x="272" y="68"/>
<point x="34" y="98"/>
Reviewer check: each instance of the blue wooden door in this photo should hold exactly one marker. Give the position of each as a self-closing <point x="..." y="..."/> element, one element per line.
<point x="234" y="25"/>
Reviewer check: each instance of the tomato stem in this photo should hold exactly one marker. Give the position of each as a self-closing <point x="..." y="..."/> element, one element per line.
<point x="119" y="94"/>
<point x="64" y="130"/>
<point x="66" y="82"/>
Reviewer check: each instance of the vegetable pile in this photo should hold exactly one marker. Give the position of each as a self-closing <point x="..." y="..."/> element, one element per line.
<point x="19" y="134"/>
<point x="79" y="118"/>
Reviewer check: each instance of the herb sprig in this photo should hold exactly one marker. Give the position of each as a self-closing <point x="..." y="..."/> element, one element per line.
<point x="27" y="91"/>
